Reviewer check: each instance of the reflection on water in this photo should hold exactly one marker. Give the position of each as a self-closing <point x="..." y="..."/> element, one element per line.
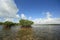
<point x="25" y="34"/>
<point x="39" y="32"/>
<point x="20" y="34"/>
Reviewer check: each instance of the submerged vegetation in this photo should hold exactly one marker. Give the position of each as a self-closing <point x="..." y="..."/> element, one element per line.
<point x="25" y="34"/>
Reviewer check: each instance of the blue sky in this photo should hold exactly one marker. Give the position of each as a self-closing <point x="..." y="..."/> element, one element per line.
<point x="38" y="11"/>
<point x="38" y="8"/>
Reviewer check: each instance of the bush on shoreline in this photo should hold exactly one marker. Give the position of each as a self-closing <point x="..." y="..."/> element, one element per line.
<point x="25" y="23"/>
<point x="22" y="23"/>
<point x="8" y="24"/>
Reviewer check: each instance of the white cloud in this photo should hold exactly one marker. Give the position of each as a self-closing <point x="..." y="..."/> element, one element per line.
<point x="12" y="20"/>
<point x="23" y="16"/>
<point x="48" y="15"/>
<point x="9" y="19"/>
<point x="17" y="16"/>
<point x="47" y="20"/>
<point x="8" y="10"/>
<point x="30" y="18"/>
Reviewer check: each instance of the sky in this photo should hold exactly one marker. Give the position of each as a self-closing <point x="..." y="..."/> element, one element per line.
<point x="38" y="11"/>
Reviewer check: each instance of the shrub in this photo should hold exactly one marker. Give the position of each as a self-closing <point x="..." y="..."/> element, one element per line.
<point x="8" y="24"/>
<point x="25" y="23"/>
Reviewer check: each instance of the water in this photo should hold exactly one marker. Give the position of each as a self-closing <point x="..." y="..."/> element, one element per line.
<point x="37" y="32"/>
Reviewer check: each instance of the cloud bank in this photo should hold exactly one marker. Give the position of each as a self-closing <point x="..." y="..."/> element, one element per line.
<point x="47" y="20"/>
<point x="8" y="10"/>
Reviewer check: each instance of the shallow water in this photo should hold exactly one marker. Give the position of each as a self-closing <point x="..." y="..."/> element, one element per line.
<point x="37" y="32"/>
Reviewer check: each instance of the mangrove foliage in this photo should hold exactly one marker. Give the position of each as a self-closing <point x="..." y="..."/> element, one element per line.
<point x="25" y="23"/>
